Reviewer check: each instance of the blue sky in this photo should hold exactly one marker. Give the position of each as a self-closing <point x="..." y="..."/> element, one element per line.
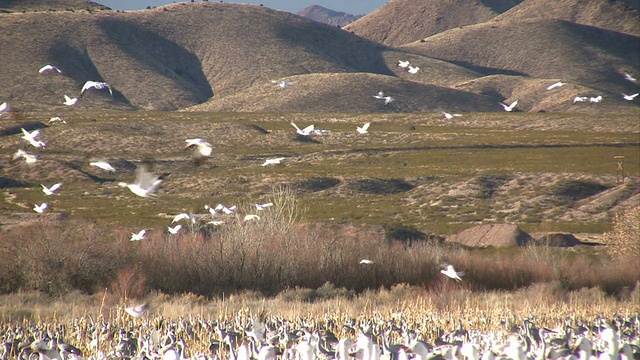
<point x="357" y="7"/>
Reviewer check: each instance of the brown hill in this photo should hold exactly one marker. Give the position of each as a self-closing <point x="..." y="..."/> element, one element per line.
<point x="327" y="16"/>
<point x="550" y="49"/>
<point x="496" y="235"/>
<point x="403" y="21"/>
<point x="49" y="5"/>
<point x="616" y="15"/>
<point x="157" y="59"/>
<point x="348" y="92"/>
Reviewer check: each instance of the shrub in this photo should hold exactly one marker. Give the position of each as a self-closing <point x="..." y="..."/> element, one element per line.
<point x="623" y="241"/>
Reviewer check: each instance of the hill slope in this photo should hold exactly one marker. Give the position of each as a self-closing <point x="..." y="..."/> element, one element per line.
<point x="46" y="5"/>
<point x="550" y="49"/>
<point x="616" y="15"/>
<point x="403" y="21"/>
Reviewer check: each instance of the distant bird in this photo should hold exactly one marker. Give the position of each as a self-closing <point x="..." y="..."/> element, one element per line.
<point x="363" y="129"/>
<point x="40" y="208"/>
<point x="139" y="236"/>
<point x="30" y="137"/>
<point x="380" y="95"/>
<point x="145" y="183"/>
<point x="452" y="273"/>
<point x="403" y="64"/>
<point x="413" y="69"/>
<point x="103" y="165"/>
<point x="251" y="217"/>
<point x="211" y="210"/>
<point x="182" y="216"/>
<point x="56" y="119"/>
<point x="174" y="230"/>
<point x="388" y="100"/>
<point x="202" y="149"/>
<point x="509" y="107"/>
<point x="52" y="190"/>
<point x="70" y="101"/>
<point x="4" y="107"/>
<point x="629" y="77"/>
<point x="49" y="68"/>
<point x="273" y="161"/>
<point x="98" y="85"/>
<point x="596" y="99"/>
<point x="29" y="158"/>
<point x="137" y="311"/>
<point x="629" y="97"/>
<point x="283" y="84"/>
<point x="304" y="132"/>
<point x="261" y="207"/>
<point x="555" y="85"/>
<point x="366" y="262"/>
<point x="580" y="99"/>
<point x="450" y="116"/>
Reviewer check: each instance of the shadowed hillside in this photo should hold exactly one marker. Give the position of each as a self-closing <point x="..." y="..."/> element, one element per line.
<point x="155" y="59"/>
<point x="348" y="93"/>
<point x="616" y="15"/>
<point x="47" y="5"/>
<point x="403" y="21"/>
<point x="551" y="49"/>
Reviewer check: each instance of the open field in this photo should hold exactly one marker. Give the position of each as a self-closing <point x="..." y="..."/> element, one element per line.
<point x="550" y="172"/>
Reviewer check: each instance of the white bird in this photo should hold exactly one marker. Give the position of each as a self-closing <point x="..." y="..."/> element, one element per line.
<point x="629" y="97"/>
<point x="202" y="149"/>
<point x="69" y="101"/>
<point x="366" y="262"/>
<point x="52" y="190"/>
<point x="145" y="183"/>
<point x="413" y="69"/>
<point x="40" y="208"/>
<point x="174" y="230"/>
<point x="261" y="207"/>
<point x="139" y="236"/>
<point x="48" y="68"/>
<point x="380" y="95"/>
<point x="98" y="85"/>
<point x="251" y="217"/>
<point x="283" y="84"/>
<point x="103" y="165"/>
<point x="182" y="216"/>
<point x="56" y="119"/>
<point x="580" y="99"/>
<point x="388" y="100"/>
<point x="452" y="273"/>
<point x="304" y="132"/>
<point x="30" y="137"/>
<point x="509" y="107"/>
<point x="450" y="116"/>
<point x="211" y="210"/>
<point x="224" y="209"/>
<point x="4" y="107"/>
<point x="403" y="64"/>
<point x="363" y="129"/>
<point x="596" y="99"/>
<point x="273" y="161"/>
<point x="555" y="85"/>
<point x="137" y="311"/>
<point x="29" y="158"/>
<point x="629" y="77"/>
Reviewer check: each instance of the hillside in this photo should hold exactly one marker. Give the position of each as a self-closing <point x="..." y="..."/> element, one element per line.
<point x="403" y="21"/>
<point x="615" y="15"/>
<point x="548" y="49"/>
<point x="49" y="5"/>
<point x="352" y="92"/>
<point x="327" y="16"/>
<point x="154" y="60"/>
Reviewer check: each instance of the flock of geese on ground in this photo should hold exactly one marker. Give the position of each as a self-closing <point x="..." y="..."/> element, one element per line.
<point x="274" y="338"/>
